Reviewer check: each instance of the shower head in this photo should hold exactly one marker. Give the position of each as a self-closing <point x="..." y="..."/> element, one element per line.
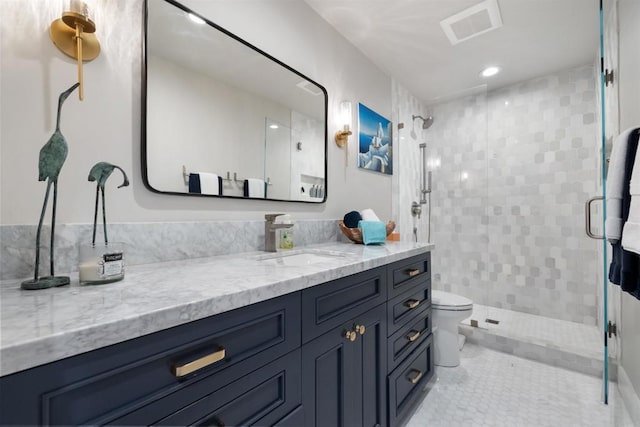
<point x="426" y="122"/>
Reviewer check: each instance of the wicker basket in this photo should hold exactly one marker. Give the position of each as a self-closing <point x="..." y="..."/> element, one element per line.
<point x="355" y="235"/>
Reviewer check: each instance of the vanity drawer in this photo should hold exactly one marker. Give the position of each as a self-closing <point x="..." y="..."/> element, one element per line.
<point x="405" y="307"/>
<point x="328" y="306"/>
<point x="105" y="384"/>
<point x="408" y="380"/>
<point x="406" y="274"/>
<point x="408" y="338"/>
<point x="259" y="398"/>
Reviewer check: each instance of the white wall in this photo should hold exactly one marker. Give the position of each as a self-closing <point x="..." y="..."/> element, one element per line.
<point x="629" y="80"/>
<point x="106" y="126"/>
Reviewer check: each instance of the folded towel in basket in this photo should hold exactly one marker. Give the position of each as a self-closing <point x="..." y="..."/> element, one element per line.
<point x="373" y="232"/>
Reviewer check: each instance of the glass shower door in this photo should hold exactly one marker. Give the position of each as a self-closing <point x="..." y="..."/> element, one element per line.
<point x="609" y="127"/>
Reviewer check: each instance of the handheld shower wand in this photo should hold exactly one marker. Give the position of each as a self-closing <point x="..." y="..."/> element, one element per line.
<point x="425" y="188"/>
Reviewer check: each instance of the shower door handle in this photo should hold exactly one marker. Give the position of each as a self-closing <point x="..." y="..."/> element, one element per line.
<point x="587" y="217"/>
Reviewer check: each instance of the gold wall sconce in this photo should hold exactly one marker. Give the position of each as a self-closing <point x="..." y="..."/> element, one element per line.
<point x="342" y="136"/>
<point x="73" y="34"/>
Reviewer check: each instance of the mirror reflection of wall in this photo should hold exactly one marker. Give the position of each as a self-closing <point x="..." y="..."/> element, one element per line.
<point x="222" y="107"/>
<point x="277" y="159"/>
<point x="294" y="146"/>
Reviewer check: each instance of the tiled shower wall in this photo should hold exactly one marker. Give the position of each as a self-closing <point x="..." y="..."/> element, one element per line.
<point x="516" y="167"/>
<point x="407" y="163"/>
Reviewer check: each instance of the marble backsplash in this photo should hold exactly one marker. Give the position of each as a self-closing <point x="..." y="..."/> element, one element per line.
<point x="147" y="242"/>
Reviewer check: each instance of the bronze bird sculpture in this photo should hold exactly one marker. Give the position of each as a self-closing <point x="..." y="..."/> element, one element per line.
<point x="99" y="173"/>
<point x="52" y="157"/>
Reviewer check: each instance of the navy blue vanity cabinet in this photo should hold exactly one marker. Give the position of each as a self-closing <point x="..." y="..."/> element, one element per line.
<point x="356" y="351"/>
<point x="145" y="380"/>
<point x="344" y="374"/>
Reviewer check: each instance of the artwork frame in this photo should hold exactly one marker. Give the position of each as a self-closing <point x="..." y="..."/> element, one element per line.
<point x="375" y="141"/>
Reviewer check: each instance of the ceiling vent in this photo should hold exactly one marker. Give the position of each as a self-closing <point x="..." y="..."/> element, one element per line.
<point x="472" y="22"/>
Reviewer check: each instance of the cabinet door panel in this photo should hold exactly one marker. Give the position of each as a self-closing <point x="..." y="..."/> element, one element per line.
<point x="344" y="381"/>
<point x="329" y="380"/>
<point x="373" y="362"/>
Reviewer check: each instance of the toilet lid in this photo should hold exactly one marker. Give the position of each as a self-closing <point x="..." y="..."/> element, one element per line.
<point x="448" y="301"/>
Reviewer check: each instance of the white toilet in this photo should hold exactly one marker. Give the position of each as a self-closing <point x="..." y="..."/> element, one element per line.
<point x="448" y="311"/>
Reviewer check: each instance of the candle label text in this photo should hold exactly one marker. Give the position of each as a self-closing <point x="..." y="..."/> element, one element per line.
<point x="113" y="264"/>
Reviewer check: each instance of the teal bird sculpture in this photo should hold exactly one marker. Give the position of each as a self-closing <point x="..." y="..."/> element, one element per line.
<point x="52" y="157"/>
<point x="99" y="173"/>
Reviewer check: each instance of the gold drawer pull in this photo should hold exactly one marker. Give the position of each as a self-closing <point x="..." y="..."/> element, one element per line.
<point x="413" y="272"/>
<point x="413" y="336"/>
<point x="412" y="303"/>
<point x="360" y="329"/>
<point x="210" y="359"/>
<point x="415" y="378"/>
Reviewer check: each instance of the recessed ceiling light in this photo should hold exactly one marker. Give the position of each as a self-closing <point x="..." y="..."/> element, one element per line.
<point x="273" y="126"/>
<point x="490" y="71"/>
<point x="196" y="19"/>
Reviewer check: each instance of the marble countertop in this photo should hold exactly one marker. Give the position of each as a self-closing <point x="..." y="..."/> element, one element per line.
<point x="38" y="327"/>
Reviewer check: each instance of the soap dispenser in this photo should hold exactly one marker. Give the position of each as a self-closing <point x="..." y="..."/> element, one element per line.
<point x="286" y="234"/>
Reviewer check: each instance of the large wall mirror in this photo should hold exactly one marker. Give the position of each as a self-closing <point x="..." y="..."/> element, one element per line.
<point x="223" y="118"/>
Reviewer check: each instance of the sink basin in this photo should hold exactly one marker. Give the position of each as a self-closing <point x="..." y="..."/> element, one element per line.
<point x="300" y="259"/>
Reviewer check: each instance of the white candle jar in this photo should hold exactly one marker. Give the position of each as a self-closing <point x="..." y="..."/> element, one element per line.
<point x="101" y="263"/>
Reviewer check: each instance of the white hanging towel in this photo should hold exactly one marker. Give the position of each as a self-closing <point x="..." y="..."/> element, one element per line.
<point x="209" y="183"/>
<point x="615" y="186"/>
<point x="255" y="188"/>
<point x="631" y="229"/>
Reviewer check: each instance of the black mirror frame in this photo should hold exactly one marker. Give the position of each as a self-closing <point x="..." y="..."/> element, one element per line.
<point x="145" y="177"/>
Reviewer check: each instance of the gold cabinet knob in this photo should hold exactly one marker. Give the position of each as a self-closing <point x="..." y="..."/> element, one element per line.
<point x="350" y="335"/>
<point x="359" y="329"/>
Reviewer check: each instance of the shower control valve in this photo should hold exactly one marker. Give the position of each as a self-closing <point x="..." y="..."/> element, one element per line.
<point x="416" y="209"/>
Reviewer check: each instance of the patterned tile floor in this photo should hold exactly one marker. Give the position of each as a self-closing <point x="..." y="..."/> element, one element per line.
<point x="574" y="337"/>
<point x="490" y="389"/>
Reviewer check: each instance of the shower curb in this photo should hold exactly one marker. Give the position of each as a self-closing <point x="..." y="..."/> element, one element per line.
<point x="547" y="354"/>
